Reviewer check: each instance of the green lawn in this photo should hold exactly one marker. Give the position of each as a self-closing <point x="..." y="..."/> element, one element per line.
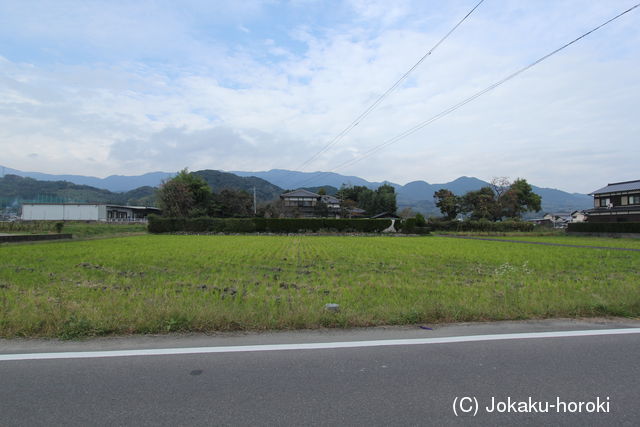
<point x="159" y="283"/>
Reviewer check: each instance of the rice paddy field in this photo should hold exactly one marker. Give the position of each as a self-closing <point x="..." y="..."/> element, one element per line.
<point x="167" y="283"/>
<point x="576" y="240"/>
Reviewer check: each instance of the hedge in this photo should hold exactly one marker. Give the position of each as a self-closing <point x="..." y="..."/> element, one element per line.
<point x="480" y="225"/>
<point x="604" y="227"/>
<point x="296" y="225"/>
<point x="412" y="226"/>
<point x="272" y="225"/>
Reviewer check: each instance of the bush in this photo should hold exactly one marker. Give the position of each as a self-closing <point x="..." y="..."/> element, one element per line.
<point x="480" y="225"/>
<point x="604" y="227"/>
<point x="273" y="225"/>
<point x="413" y="226"/>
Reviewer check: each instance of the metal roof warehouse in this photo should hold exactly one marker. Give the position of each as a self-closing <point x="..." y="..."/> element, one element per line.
<point x="85" y="212"/>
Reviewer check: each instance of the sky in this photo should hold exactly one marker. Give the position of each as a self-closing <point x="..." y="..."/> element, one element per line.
<point x="119" y="87"/>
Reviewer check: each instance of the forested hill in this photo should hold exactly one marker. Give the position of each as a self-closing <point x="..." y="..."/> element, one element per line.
<point x="16" y="189"/>
<point x="218" y="181"/>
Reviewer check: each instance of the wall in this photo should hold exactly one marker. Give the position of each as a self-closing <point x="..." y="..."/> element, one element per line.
<point x="60" y="212"/>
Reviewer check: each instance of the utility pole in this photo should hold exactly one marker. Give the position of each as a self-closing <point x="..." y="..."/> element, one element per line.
<point x="255" y="208"/>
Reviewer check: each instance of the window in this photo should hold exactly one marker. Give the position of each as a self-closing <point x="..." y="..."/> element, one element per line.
<point x="634" y="200"/>
<point x="605" y="202"/>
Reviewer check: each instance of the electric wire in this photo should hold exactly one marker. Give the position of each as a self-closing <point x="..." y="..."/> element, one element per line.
<point x="460" y="104"/>
<point x="369" y="109"/>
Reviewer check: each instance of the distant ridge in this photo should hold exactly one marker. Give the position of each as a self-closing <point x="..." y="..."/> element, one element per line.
<point x="417" y="195"/>
<point x="115" y="183"/>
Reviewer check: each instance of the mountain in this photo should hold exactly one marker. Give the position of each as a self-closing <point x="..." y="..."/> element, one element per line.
<point x="417" y="195"/>
<point x="554" y="200"/>
<point x="218" y="181"/>
<point x="293" y="179"/>
<point x="114" y="183"/>
<point x="15" y="189"/>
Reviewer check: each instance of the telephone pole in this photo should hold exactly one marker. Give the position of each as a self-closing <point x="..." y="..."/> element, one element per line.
<point x="255" y="208"/>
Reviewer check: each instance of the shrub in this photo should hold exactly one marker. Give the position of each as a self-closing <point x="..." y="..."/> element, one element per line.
<point x="274" y="225"/>
<point x="480" y="225"/>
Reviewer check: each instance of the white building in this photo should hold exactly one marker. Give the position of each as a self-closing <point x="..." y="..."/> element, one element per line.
<point x="85" y="212"/>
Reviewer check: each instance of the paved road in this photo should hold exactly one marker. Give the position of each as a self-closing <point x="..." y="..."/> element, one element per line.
<point x="379" y="385"/>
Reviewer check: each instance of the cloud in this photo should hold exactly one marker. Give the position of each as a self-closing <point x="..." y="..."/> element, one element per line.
<point x="218" y="147"/>
<point x="127" y="88"/>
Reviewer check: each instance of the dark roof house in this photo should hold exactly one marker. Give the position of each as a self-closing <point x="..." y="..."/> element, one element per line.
<point x="617" y="202"/>
<point x="306" y="203"/>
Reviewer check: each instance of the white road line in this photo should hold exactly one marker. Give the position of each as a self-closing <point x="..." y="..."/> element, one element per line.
<point x="312" y="346"/>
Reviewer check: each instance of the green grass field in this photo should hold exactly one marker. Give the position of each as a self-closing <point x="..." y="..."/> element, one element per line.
<point x="79" y="229"/>
<point x="575" y="240"/>
<point x="161" y="283"/>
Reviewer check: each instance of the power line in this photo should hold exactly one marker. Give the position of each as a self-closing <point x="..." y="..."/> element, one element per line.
<point x="366" y="112"/>
<point x="460" y="104"/>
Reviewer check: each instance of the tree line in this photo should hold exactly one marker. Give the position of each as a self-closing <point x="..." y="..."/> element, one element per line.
<point x="187" y="195"/>
<point x="374" y="202"/>
<point x="499" y="200"/>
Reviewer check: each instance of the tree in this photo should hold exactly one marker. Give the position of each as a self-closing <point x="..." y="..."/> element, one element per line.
<point x="233" y="203"/>
<point x="406" y="213"/>
<point x="520" y="198"/>
<point x="481" y="204"/>
<point x="184" y="195"/>
<point x="383" y="199"/>
<point x="501" y="199"/>
<point x="449" y="203"/>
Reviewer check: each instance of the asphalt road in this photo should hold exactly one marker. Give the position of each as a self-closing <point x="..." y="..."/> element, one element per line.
<point x="377" y="385"/>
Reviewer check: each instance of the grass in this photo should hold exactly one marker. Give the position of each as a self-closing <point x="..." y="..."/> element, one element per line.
<point x="576" y="240"/>
<point x="79" y="229"/>
<point x="88" y="230"/>
<point x="164" y="283"/>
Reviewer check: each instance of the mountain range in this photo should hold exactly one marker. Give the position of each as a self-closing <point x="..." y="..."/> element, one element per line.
<point x="417" y="195"/>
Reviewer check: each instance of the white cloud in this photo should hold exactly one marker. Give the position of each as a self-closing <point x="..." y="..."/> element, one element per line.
<point x="165" y="93"/>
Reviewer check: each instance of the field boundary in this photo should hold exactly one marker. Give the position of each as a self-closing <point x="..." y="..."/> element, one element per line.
<point x="566" y="245"/>
<point x="33" y="237"/>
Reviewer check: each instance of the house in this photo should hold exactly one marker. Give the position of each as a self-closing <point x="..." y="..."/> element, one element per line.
<point x="578" y="216"/>
<point x="557" y="219"/>
<point x="309" y="204"/>
<point x="617" y="202"/>
<point x="85" y="212"/>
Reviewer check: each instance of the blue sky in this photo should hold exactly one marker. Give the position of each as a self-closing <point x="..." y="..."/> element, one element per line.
<point x="101" y="88"/>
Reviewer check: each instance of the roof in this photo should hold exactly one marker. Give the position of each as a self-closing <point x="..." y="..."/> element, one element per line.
<point x="92" y="204"/>
<point x="385" y="215"/>
<point x="133" y="207"/>
<point x="330" y="199"/>
<point x="619" y="186"/>
<point x="300" y="193"/>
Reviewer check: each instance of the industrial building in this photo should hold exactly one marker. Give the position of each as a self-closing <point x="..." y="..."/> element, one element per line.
<point x="85" y="212"/>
